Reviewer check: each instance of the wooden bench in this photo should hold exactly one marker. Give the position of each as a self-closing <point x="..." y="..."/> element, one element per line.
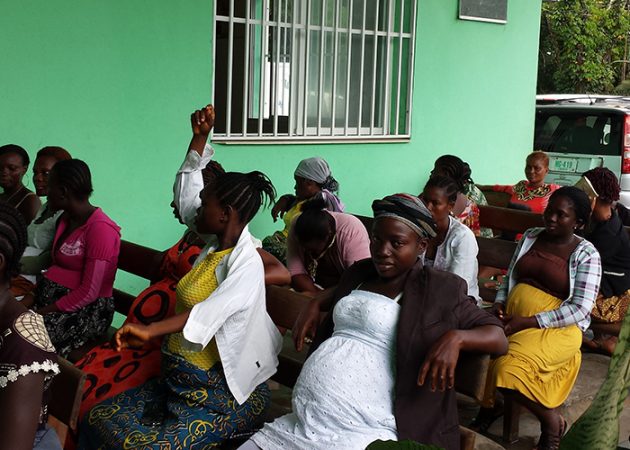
<point x="283" y="306"/>
<point x="66" y="392"/>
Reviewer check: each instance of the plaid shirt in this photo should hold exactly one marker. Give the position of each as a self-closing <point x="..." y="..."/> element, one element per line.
<point x="585" y="272"/>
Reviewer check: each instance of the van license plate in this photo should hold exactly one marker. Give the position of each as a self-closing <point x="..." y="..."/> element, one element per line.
<point x="565" y="165"/>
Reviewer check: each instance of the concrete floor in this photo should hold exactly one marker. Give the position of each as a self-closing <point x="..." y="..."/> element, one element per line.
<point x="592" y="373"/>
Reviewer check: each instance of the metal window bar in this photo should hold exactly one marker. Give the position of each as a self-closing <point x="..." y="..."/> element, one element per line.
<point x="334" y="71"/>
<point x="274" y="91"/>
<point x="263" y="66"/>
<point x="360" y="115"/>
<point x="349" y="60"/>
<point x="322" y="48"/>
<point x="228" y="114"/>
<point x="386" y="108"/>
<point x="412" y="51"/>
<point x="306" y="73"/>
<point x="293" y="54"/>
<point x="374" y="60"/>
<point x="400" y="54"/>
<point x="278" y="28"/>
<point x="246" y="57"/>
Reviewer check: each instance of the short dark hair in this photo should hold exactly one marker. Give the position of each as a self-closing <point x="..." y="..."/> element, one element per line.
<point x="581" y="203"/>
<point x="245" y="192"/>
<point x="12" y="238"/>
<point x="75" y="176"/>
<point x="58" y="153"/>
<point x="16" y="150"/>
<point x="453" y="167"/>
<point x="605" y="183"/>
<point x="314" y="223"/>
<point x="451" y="189"/>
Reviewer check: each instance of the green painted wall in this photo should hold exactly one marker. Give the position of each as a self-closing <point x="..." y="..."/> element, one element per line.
<point x="114" y="83"/>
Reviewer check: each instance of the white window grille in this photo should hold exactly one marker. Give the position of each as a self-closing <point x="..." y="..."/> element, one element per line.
<point x="313" y="70"/>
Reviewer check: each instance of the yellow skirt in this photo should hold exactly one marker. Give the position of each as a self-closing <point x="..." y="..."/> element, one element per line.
<point x="541" y="364"/>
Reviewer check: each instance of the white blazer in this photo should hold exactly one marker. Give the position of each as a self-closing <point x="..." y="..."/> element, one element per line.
<point x="235" y="313"/>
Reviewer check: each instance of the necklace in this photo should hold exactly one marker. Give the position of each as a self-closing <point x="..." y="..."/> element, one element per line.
<point x="15" y="193"/>
<point x="312" y="266"/>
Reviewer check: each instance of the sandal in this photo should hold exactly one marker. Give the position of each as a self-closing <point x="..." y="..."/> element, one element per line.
<point x="485" y="419"/>
<point x="552" y="442"/>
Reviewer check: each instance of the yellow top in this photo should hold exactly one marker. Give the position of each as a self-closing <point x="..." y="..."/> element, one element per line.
<point x="195" y="287"/>
<point x="290" y="215"/>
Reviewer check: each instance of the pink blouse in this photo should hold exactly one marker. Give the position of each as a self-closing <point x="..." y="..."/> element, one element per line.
<point x="85" y="262"/>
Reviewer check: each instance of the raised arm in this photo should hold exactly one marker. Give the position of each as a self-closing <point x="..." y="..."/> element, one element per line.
<point x="189" y="181"/>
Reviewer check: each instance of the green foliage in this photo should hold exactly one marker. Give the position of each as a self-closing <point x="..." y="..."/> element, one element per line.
<point x="400" y="445"/>
<point x="581" y="42"/>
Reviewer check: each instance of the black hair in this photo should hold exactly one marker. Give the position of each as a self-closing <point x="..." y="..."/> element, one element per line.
<point x="12" y="238"/>
<point x="330" y="184"/>
<point x="453" y="167"/>
<point x="314" y="223"/>
<point x="451" y="189"/>
<point x="211" y="171"/>
<point x="58" y="153"/>
<point x="245" y="192"/>
<point x="605" y="183"/>
<point x="75" y="176"/>
<point x="16" y="150"/>
<point x="581" y="203"/>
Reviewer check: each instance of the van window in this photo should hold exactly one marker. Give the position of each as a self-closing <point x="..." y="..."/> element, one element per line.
<point x="578" y="132"/>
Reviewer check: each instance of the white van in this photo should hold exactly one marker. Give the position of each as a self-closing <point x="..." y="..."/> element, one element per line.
<point x="582" y="133"/>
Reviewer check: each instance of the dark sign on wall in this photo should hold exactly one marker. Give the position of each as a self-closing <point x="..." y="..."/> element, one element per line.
<point x="483" y="10"/>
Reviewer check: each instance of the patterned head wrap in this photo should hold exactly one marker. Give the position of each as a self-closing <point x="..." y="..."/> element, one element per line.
<point x="315" y="169"/>
<point x="409" y="210"/>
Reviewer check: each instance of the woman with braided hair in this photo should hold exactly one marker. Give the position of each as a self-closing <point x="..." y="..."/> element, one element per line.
<point x="27" y="357"/>
<point x="611" y="240"/>
<point x="221" y="345"/>
<point x="75" y="293"/>
<point x="469" y="197"/>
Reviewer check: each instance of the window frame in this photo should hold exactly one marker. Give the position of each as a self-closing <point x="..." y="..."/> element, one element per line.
<point x="298" y="130"/>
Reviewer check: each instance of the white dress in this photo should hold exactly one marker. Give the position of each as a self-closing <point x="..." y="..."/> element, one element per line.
<point x="344" y="396"/>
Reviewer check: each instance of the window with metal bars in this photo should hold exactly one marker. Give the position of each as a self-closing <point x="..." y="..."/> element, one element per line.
<point x="313" y="70"/>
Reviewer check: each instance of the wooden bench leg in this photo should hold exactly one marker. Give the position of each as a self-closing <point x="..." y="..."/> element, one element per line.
<point x="511" y="420"/>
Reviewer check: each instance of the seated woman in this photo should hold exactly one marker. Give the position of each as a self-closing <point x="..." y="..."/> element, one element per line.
<point x="466" y="209"/>
<point x="322" y="245"/>
<point x="313" y="179"/>
<point x="533" y="193"/>
<point x="384" y="358"/>
<point x="545" y="303"/>
<point x="27" y="357"/>
<point x="109" y="371"/>
<point x="41" y="230"/>
<point x="454" y="248"/>
<point x="610" y="238"/>
<point x="221" y="346"/>
<point x="75" y="293"/>
<point x="14" y="163"/>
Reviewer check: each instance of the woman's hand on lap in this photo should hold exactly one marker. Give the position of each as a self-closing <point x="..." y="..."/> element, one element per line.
<point x="498" y="309"/>
<point x="439" y="364"/>
<point x="306" y="324"/>
<point x="132" y="335"/>
<point x="514" y="324"/>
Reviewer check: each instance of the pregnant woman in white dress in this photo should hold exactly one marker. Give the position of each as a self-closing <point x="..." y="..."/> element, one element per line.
<point x="347" y="394"/>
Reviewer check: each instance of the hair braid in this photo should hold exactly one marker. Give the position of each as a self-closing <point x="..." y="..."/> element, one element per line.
<point x="605" y="183"/>
<point x="245" y="192"/>
<point x="74" y="175"/>
<point x="451" y="189"/>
